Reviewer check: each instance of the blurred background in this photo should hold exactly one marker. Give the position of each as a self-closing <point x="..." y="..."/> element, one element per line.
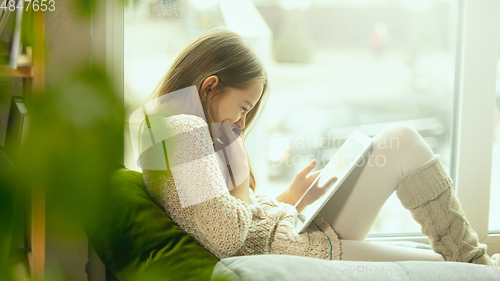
<point x="334" y="66"/>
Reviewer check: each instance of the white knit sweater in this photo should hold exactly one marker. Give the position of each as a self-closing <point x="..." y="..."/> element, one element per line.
<point x="223" y="224"/>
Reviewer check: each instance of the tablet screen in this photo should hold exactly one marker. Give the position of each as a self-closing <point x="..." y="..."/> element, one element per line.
<point x="340" y="166"/>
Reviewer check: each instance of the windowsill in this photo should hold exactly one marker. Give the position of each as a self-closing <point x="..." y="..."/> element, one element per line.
<point x="492" y="240"/>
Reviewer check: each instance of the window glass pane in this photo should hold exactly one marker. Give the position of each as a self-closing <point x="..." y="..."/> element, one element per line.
<point x="333" y="66"/>
<point x="494" y="223"/>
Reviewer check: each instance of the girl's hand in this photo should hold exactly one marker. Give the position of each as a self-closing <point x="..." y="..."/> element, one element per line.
<point x="232" y="152"/>
<point x="302" y="181"/>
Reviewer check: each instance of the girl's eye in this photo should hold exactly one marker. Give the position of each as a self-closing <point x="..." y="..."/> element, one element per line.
<point x="244" y="109"/>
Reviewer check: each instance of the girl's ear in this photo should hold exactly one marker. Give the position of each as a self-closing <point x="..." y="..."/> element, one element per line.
<point x="208" y="85"/>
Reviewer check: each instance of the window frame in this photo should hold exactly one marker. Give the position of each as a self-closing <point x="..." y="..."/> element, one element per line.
<point x="476" y="72"/>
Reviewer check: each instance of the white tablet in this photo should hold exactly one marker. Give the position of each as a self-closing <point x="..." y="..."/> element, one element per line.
<point x="340" y="166"/>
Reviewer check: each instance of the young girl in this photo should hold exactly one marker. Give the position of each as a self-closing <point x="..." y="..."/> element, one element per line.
<point x="223" y="213"/>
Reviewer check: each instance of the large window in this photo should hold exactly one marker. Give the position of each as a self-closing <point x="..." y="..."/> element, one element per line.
<point x="334" y="66"/>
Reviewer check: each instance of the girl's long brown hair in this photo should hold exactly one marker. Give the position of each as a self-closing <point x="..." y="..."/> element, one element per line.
<point x="223" y="53"/>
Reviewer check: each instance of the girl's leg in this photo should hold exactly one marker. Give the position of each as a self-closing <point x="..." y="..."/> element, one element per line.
<point x="423" y="187"/>
<point x="427" y="192"/>
<point x="352" y="210"/>
<point x="353" y="250"/>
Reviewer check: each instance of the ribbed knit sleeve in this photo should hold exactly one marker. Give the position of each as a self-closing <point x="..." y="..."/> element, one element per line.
<point x="196" y="196"/>
<point x="222" y="225"/>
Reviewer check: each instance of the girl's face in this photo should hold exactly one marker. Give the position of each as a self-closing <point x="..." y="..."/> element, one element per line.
<point x="235" y="104"/>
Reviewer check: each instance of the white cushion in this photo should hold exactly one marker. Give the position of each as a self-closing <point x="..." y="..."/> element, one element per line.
<point x="287" y="267"/>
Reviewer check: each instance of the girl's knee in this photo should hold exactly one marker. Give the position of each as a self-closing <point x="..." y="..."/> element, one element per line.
<point x="397" y="136"/>
<point x="403" y="144"/>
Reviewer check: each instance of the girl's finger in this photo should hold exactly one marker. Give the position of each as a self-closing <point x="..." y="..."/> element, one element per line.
<point x="314" y="175"/>
<point x="325" y="187"/>
<point x="308" y="168"/>
<point x="227" y="136"/>
<point x="219" y="135"/>
<point x="330" y="181"/>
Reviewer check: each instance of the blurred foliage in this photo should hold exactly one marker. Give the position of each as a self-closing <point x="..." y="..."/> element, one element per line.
<point x="75" y="141"/>
<point x="9" y="208"/>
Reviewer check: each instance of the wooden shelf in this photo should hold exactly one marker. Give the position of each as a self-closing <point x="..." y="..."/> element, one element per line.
<point x="20" y="72"/>
<point x="24" y="66"/>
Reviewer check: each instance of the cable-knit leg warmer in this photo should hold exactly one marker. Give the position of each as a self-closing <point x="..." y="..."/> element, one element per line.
<point x="427" y="192"/>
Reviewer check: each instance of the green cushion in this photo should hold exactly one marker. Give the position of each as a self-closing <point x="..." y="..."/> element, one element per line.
<point x="136" y="239"/>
